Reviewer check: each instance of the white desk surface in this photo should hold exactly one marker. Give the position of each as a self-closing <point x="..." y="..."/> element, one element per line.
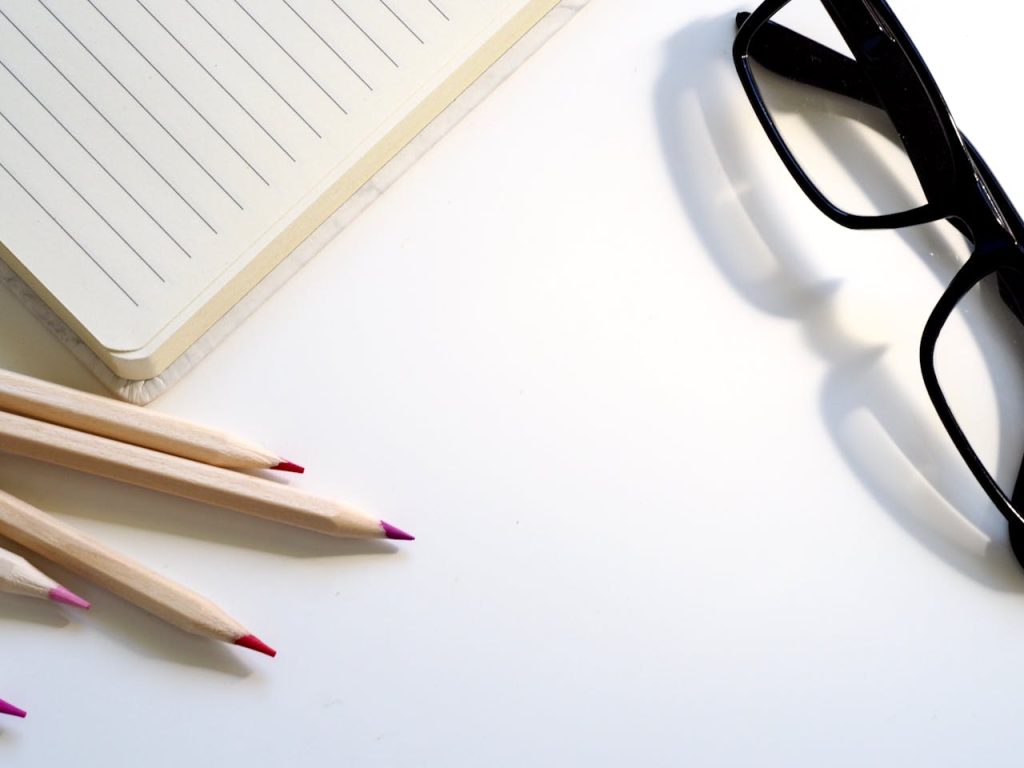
<point x="680" y="497"/>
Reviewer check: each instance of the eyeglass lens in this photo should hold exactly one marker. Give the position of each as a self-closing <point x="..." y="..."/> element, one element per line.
<point x="849" y="150"/>
<point x="979" y="364"/>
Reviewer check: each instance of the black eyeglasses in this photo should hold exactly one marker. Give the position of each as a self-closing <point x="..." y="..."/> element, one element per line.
<point x="817" y="96"/>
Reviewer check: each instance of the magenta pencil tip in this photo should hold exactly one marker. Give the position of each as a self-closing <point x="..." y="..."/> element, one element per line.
<point x="253" y="643"/>
<point x="66" y="596"/>
<point x="289" y="466"/>
<point x="396" y="533"/>
<point x="10" y="709"/>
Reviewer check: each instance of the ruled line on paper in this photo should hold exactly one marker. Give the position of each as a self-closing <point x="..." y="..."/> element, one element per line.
<point x="285" y="51"/>
<point x="102" y="167"/>
<point x="213" y="77"/>
<point x="63" y="229"/>
<point x="113" y="127"/>
<point x="401" y="21"/>
<point x="81" y="196"/>
<point x="366" y="34"/>
<point x="438" y="9"/>
<point x="253" y="68"/>
<point x="181" y="95"/>
<point x="330" y="47"/>
<point x="144" y="108"/>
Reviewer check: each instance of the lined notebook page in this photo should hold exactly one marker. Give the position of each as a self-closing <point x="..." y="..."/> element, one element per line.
<point x="148" y="148"/>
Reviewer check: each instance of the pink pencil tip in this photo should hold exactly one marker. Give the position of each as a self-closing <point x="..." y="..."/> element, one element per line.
<point x="253" y="643"/>
<point x="289" y="466"/>
<point x="66" y="596"/>
<point x="10" y="709"/>
<point x="396" y="533"/>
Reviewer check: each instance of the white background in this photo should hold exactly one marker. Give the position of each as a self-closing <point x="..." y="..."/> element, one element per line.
<point x="657" y="424"/>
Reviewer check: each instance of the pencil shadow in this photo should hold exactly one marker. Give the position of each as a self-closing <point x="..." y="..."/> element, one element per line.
<point x="75" y="494"/>
<point x="94" y="498"/>
<point x="15" y="608"/>
<point x="150" y="637"/>
<point x="703" y="120"/>
<point x="119" y="620"/>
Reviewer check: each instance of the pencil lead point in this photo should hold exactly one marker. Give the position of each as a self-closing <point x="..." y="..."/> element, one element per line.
<point x="395" y="533"/>
<point x="289" y="466"/>
<point x="66" y="596"/>
<point x="253" y="643"/>
<point x="9" y="709"/>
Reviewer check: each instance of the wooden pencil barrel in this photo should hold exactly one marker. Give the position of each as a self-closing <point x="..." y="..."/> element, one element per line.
<point x="72" y="549"/>
<point x="127" y="423"/>
<point x="176" y="476"/>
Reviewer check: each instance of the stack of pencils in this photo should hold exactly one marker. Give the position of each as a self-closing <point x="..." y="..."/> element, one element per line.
<point x="123" y="442"/>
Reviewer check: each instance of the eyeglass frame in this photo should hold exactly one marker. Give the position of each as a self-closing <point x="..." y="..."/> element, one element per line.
<point x="971" y="198"/>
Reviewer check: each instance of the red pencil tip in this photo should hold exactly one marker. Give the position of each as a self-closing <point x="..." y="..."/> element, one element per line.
<point x="396" y="533"/>
<point x="7" y="708"/>
<point x="289" y="466"/>
<point x="253" y="643"/>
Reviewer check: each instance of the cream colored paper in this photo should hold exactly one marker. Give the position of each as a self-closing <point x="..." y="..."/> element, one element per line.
<point x="157" y="161"/>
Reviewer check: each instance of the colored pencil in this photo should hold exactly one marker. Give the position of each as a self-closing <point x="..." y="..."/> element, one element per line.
<point x="131" y="424"/>
<point x="185" y="478"/>
<point x="164" y="598"/>
<point x="6" y="708"/>
<point x="19" y="577"/>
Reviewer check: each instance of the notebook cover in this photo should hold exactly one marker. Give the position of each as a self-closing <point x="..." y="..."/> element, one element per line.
<point x="144" y="391"/>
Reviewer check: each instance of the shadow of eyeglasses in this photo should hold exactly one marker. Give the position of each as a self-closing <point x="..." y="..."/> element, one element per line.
<point x="887" y="433"/>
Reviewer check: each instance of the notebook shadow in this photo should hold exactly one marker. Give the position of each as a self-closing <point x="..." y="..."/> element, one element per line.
<point x="698" y="108"/>
<point x="28" y="347"/>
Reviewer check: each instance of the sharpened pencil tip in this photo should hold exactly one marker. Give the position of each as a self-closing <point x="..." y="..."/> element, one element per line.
<point x="289" y="466"/>
<point x="253" y="643"/>
<point x="66" y="596"/>
<point x="396" y="533"/>
<point x="9" y="709"/>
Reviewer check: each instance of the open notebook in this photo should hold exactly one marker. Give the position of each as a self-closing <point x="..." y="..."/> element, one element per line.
<point x="158" y="159"/>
